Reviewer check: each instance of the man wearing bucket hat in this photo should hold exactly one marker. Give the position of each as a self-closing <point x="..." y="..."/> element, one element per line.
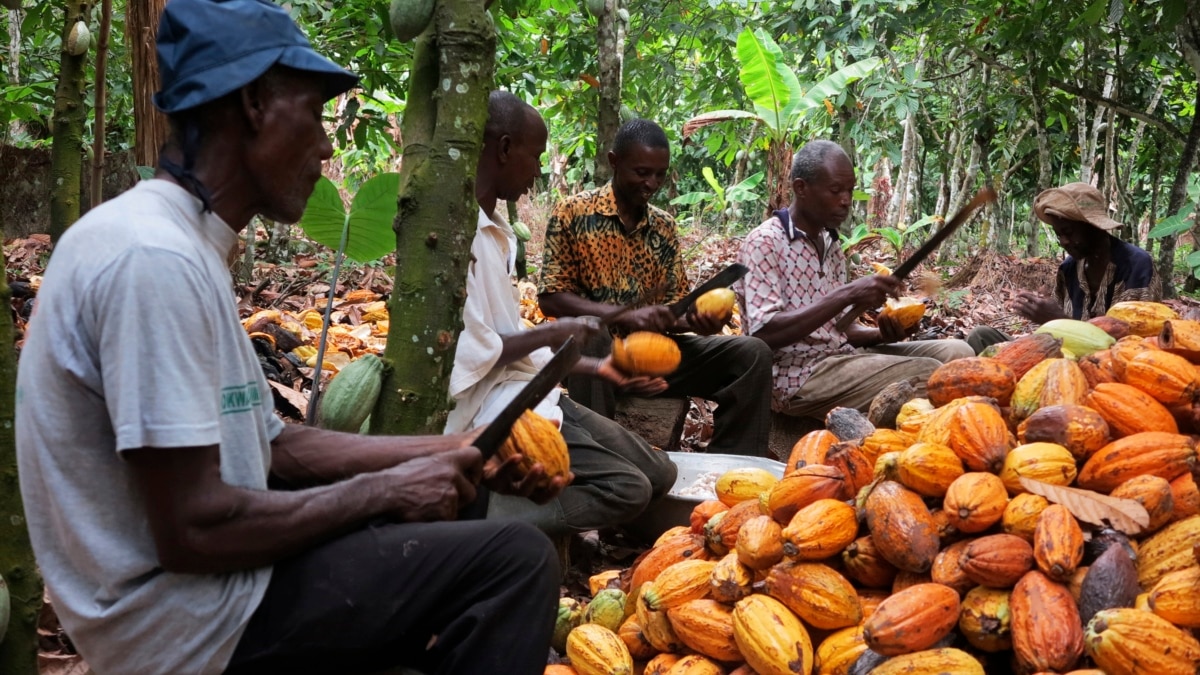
<point x="146" y="439"/>
<point x="1099" y="270"/>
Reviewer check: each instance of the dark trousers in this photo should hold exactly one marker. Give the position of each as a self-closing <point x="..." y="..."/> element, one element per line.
<point x="734" y="371"/>
<point x="484" y="593"/>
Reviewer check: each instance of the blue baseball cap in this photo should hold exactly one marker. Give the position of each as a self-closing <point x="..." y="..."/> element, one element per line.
<point x="209" y="48"/>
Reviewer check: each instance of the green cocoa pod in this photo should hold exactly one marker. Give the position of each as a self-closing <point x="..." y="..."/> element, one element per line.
<point x="351" y="395"/>
<point x="570" y="615"/>
<point x="607" y="609"/>
<point x="595" y="7"/>
<point x="522" y="231"/>
<point x="410" y="17"/>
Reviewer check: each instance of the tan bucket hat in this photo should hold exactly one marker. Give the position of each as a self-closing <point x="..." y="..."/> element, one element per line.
<point x="1074" y="201"/>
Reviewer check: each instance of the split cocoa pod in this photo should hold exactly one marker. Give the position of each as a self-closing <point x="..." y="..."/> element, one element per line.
<point x="538" y="441"/>
<point x="646" y="354"/>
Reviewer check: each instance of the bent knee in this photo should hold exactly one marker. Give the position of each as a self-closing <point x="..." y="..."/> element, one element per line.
<point x="954" y="349"/>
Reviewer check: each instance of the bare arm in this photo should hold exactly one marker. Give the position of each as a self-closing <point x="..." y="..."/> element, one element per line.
<point x="789" y="327"/>
<point x="655" y="318"/>
<point x="201" y="525"/>
<point x="550" y="334"/>
<point x="306" y="456"/>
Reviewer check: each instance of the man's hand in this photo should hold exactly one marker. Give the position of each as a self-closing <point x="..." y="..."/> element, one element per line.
<point x="636" y="386"/>
<point x="873" y="290"/>
<point x="890" y="329"/>
<point x="505" y="476"/>
<point x="703" y="324"/>
<point x="580" y="328"/>
<point x="432" y="488"/>
<point x="656" y="318"/>
<point x="1037" y="308"/>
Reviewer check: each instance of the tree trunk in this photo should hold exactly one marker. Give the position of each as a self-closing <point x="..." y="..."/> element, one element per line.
<point x="66" y="153"/>
<point x="779" y="167"/>
<point x="15" y="17"/>
<point x="1187" y="159"/>
<point x="150" y="125"/>
<point x="610" y="41"/>
<point x="898" y="209"/>
<point x="97" y="187"/>
<point x="18" y="650"/>
<point x="1045" y="169"/>
<point x="452" y="69"/>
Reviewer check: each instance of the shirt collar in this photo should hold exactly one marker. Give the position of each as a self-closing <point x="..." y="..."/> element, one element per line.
<point x="606" y="205"/>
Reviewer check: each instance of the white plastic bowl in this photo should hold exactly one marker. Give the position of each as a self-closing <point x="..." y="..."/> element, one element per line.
<point x="674" y="509"/>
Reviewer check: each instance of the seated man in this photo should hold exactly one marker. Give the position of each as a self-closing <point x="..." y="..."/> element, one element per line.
<point x="145" y="436"/>
<point x="796" y="289"/>
<point x="616" y="473"/>
<point x="609" y="247"/>
<point x="1099" y="271"/>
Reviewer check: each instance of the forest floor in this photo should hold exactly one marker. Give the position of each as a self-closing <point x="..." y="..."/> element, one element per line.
<point x="959" y="296"/>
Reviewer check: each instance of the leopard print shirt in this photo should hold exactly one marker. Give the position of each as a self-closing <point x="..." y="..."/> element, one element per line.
<point x="588" y="252"/>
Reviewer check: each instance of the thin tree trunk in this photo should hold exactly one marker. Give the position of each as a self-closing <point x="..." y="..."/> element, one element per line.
<point x="15" y="17"/>
<point x="150" y="125"/>
<point x="898" y="209"/>
<point x="18" y="650"/>
<point x="610" y="41"/>
<point x="1187" y="159"/>
<point x="1134" y="145"/>
<point x="1045" y="169"/>
<point x="66" y="153"/>
<point x="100" y="105"/>
<point x="452" y="70"/>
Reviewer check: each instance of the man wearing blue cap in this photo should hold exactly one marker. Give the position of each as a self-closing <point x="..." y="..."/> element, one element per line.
<point x="146" y="437"/>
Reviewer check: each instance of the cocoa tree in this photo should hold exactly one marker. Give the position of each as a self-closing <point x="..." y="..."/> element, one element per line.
<point x="443" y="124"/>
<point x="70" y="114"/>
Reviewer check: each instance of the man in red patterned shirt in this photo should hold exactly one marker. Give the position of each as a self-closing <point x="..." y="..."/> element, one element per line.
<point x="797" y="288"/>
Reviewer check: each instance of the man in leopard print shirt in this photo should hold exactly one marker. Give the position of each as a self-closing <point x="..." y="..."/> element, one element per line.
<point x="609" y="247"/>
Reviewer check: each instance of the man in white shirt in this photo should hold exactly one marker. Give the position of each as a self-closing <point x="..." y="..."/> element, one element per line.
<point x="616" y="472"/>
<point x="145" y="435"/>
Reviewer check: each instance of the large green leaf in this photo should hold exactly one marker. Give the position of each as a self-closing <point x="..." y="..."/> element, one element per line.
<point x="324" y="215"/>
<point x="833" y="85"/>
<point x="371" y="214"/>
<point x="770" y="84"/>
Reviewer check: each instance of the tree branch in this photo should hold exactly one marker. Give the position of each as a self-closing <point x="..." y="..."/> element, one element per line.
<point x="1099" y="99"/>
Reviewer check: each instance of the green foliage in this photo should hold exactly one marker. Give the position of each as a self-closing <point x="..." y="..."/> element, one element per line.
<point x="368" y="225"/>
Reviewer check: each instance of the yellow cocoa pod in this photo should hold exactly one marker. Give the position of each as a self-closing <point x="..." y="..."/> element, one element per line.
<point x="717" y="304"/>
<point x="907" y="311"/>
<point x="770" y="637"/>
<point x="538" y="441"/>
<point x="1145" y="319"/>
<point x="596" y="650"/>
<point x="738" y="485"/>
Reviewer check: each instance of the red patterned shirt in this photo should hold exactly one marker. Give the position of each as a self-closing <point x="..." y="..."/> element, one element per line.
<point x="787" y="274"/>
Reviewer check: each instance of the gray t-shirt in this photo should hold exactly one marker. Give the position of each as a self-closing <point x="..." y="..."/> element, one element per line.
<point x="135" y="342"/>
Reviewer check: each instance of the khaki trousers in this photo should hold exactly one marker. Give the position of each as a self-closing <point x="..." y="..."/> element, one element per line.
<point x="853" y="380"/>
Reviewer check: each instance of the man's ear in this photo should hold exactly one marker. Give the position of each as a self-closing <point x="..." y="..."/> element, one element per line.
<point x="504" y="146"/>
<point x="613" y="160"/>
<point x="253" y="98"/>
<point x="799" y="187"/>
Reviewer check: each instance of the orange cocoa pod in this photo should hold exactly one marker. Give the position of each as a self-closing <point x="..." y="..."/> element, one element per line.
<point x="1046" y="631"/>
<point x="902" y="527"/>
<point x="912" y="620"/>
<point x="1051" y="382"/>
<point x="975" y="501"/>
<point x="820" y="530"/>
<point x="646" y="353"/>
<point x="1181" y="337"/>
<point x="928" y="468"/>
<point x="1027" y="351"/>
<point x="656" y="628"/>
<point x="705" y="626"/>
<point x="940" y="660"/>
<point x="802" y="487"/>
<point x="1097" y="368"/>
<point x="810" y="449"/>
<point x="1153" y="493"/>
<point x="816" y="593"/>
<point x="648" y="566"/>
<point x="974" y="376"/>
<point x="1124" y="640"/>
<point x="863" y="563"/>
<point x="1176" y="597"/>
<point x="731" y="580"/>
<point x="978" y="434"/>
<point x="853" y="463"/>
<point x="1079" y="429"/>
<point x="1170" y="379"/>
<point x="695" y="664"/>
<point x="1058" y="543"/>
<point x="703" y="512"/>
<point x="946" y="530"/>
<point x="1186" y="497"/>
<point x="635" y="641"/>
<point x="1154" y="453"/>
<point x="997" y="560"/>
<point x="760" y="543"/>
<point x="885" y="440"/>
<point x="1021" y="515"/>
<point x="1124" y="350"/>
<point x="661" y="664"/>
<point x="683" y="581"/>
<point x="905" y="579"/>
<point x="1129" y="410"/>
<point x="947" y="571"/>
<point x="721" y="532"/>
<point x="559" y="669"/>
<point x="1115" y="327"/>
<point x="837" y="653"/>
<point x="985" y="619"/>
<point x="871" y="598"/>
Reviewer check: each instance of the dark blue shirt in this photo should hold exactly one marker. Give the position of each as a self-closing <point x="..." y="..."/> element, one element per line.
<point x="1130" y="275"/>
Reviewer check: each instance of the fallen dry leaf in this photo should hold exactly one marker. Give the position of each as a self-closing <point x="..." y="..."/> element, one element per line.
<point x="1124" y="515"/>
